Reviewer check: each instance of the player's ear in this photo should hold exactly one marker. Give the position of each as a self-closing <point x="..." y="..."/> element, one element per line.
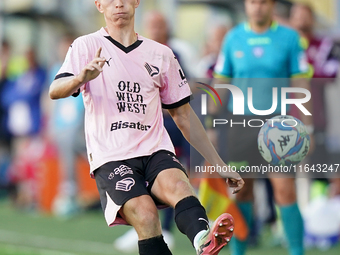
<point x="137" y="3"/>
<point x="99" y="6"/>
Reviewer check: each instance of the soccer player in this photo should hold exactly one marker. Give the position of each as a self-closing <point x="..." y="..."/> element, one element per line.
<point x="125" y="80"/>
<point x="263" y="54"/>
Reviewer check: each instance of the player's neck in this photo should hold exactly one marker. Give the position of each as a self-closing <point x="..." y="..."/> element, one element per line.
<point x="125" y="35"/>
<point x="260" y="28"/>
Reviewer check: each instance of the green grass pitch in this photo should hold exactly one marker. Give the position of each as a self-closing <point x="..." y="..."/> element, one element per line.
<point x="33" y="234"/>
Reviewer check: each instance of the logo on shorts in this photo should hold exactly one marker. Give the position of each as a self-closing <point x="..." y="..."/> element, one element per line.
<point x="125" y="184"/>
<point x="123" y="170"/>
<point x="111" y="176"/>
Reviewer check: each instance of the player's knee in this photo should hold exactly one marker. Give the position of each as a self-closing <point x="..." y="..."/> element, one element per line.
<point x="146" y="213"/>
<point x="148" y="216"/>
<point x="181" y="186"/>
<point x="142" y="210"/>
<point x="143" y="216"/>
<point x="181" y="189"/>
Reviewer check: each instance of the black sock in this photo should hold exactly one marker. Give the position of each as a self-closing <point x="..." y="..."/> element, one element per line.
<point x="190" y="217"/>
<point x="154" y="246"/>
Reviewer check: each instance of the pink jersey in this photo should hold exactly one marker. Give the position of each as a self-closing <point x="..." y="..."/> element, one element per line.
<point x="123" y="105"/>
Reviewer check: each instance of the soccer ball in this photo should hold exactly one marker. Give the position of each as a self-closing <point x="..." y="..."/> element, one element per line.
<point x="283" y="140"/>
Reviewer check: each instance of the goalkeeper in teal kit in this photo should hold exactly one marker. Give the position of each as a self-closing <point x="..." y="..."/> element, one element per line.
<point x="262" y="54"/>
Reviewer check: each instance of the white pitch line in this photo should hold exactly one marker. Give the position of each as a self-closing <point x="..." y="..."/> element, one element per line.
<point x="52" y="243"/>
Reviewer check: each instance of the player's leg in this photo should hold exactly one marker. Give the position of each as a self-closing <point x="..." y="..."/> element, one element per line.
<point x="125" y="199"/>
<point x="142" y="214"/>
<point x="285" y="196"/>
<point x="172" y="187"/>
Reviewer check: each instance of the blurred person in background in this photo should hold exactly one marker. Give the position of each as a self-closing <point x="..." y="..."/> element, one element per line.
<point x="326" y="67"/>
<point x="254" y="54"/>
<point x="212" y="191"/>
<point x="211" y="50"/>
<point x="22" y="99"/>
<point x="204" y="73"/>
<point x="67" y="131"/>
<point x="5" y="135"/>
<point x="318" y="50"/>
<point x="282" y="12"/>
<point x="205" y="69"/>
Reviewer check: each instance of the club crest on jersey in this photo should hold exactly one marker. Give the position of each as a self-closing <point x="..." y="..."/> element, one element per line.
<point x="125" y="184"/>
<point x="152" y="70"/>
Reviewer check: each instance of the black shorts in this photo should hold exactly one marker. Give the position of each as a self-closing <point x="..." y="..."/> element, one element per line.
<point x="120" y="181"/>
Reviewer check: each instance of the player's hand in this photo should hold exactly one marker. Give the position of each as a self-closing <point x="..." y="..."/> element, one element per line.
<point x="235" y="181"/>
<point x="92" y="69"/>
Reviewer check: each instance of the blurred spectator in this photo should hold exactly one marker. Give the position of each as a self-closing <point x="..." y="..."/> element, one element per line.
<point x="206" y="65"/>
<point x="204" y="72"/>
<point x="282" y="12"/>
<point x="319" y="55"/>
<point x="21" y="98"/>
<point x="157" y="28"/>
<point x="67" y="131"/>
<point x="325" y="69"/>
<point x="5" y="136"/>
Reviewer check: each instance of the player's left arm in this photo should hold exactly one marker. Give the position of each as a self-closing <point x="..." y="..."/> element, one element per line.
<point x="193" y="131"/>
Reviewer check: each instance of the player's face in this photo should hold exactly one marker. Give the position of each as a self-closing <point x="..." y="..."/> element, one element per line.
<point x="259" y="11"/>
<point x="302" y="19"/>
<point x="117" y="12"/>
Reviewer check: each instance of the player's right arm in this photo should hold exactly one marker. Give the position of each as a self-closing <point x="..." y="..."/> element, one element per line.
<point x="66" y="86"/>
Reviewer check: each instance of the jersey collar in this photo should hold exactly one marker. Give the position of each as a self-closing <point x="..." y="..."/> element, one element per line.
<point x="121" y="46"/>
<point x="273" y="26"/>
